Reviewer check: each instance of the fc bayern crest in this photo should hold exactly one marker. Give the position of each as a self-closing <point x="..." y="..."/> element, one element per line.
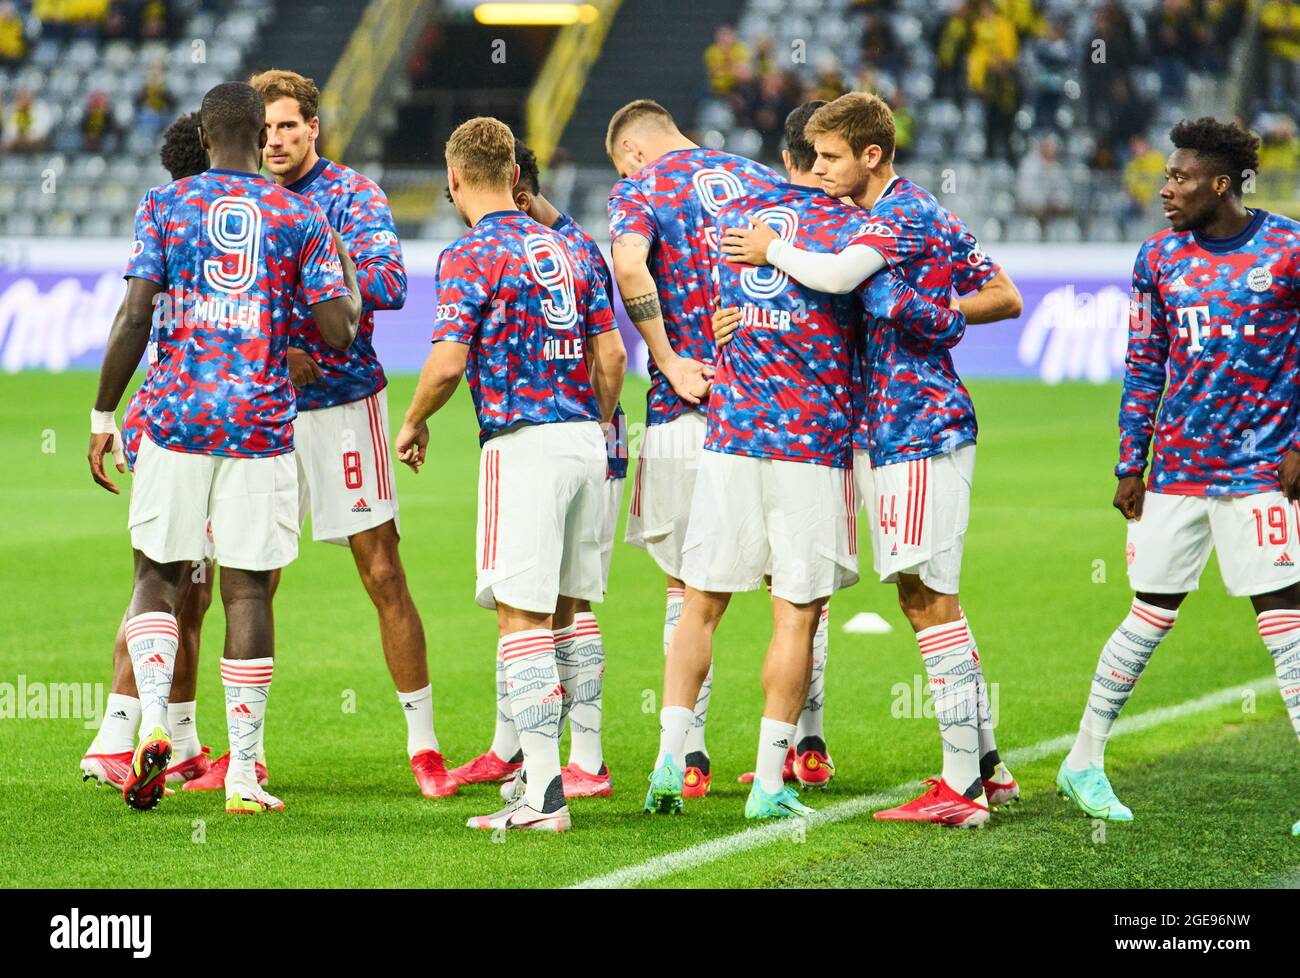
<point x="1259" y="279"/>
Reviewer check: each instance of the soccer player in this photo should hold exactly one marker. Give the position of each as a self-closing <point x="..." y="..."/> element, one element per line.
<point x="1211" y="376"/>
<point x="516" y="313"/>
<point x="341" y="434"/>
<point x="108" y="758"/>
<point x="915" y="435"/>
<point x="579" y="650"/>
<point x="223" y="255"/>
<point x="774" y="492"/>
<point x="664" y="245"/>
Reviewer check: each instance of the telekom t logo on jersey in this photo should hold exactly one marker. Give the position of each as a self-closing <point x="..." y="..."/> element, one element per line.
<point x="1194" y="325"/>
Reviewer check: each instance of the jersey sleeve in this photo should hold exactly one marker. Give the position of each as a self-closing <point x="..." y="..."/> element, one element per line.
<point x="320" y="274"/>
<point x="1144" y="368"/>
<point x="923" y="325"/>
<point x="371" y="239"/>
<point x="972" y="269"/>
<point x="630" y="213"/>
<point x="896" y="230"/>
<point x="146" y="259"/>
<point x="462" y="298"/>
<point x="599" y="311"/>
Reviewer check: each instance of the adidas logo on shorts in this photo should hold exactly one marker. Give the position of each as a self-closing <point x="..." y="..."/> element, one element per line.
<point x="1284" y="561"/>
<point x="361" y="506"/>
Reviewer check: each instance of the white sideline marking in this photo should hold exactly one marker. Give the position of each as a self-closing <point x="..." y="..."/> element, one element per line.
<point x="714" y="849"/>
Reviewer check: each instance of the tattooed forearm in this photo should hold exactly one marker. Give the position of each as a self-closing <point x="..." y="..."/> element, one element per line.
<point x="642" y="307"/>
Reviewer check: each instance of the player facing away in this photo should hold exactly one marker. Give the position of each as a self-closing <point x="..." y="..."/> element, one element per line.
<point x="108" y="758"/>
<point x="914" y="438"/>
<point x="579" y="648"/>
<point x="662" y="215"/>
<point x="345" y="474"/>
<point x="1210" y="386"/>
<point x="515" y="314"/>
<point x="774" y="493"/>
<point x="222" y="254"/>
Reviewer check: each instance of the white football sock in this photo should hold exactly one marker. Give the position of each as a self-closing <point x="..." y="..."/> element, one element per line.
<point x="585" y="719"/>
<point x="566" y="666"/>
<point x="151" y="640"/>
<point x="505" y="742"/>
<point x="950" y="666"/>
<point x="695" y="733"/>
<point x="810" y="720"/>
<point x="533" y="684"/>
<point x="248" y="684"/>
<point x="674" y="721"/>
<point x="418" y="710"/>
<point x="1281" y="633"/>
<point x="990" y="760"/>
<point x="118" y="728"/>
<point x="1123" y="658"/>
<point x="774" y="741"/>
<point x="185" y="735"/>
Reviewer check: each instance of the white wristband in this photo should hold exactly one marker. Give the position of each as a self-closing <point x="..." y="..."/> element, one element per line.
<point x="103" y="423"/>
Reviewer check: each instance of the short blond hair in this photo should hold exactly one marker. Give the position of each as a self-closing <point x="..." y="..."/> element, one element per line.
<point x="482" y="149"/>
<point x="634" y="113"/>
<point x="277" y="83"/>
<point x="860" y="119"/>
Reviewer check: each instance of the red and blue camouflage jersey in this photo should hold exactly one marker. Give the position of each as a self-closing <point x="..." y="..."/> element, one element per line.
<point x="673" y="203"/>
<point x="514" y="293"/>
<point x="911" y="403"/>
<point x="580" y="241"/>
<point x="358" y="210"/>
<point x="231" y="251"/>
<point x="1215" y="326"/>
<point x="133" y="426"/>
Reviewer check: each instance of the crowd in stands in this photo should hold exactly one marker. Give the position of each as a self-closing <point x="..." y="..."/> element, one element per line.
<point x="1037" y="77"/>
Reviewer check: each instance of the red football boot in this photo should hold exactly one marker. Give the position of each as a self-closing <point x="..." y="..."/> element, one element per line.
<point x="145" y="778"/>
<point x="787" y="772"/>
<point x="431" y="775"/>
<point x="940" y="805"/>
<point x="486" y="768"/>
<point x="582" y="784"/>
<point x="191" y="767"/>
<point x="106" y="768"/>
<point x="814" y="769"/>
<point x="1001" y="793"/>
<point x="215" y="777"/>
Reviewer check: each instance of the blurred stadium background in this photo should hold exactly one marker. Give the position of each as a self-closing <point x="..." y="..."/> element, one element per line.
<point x="1041" y="122"/>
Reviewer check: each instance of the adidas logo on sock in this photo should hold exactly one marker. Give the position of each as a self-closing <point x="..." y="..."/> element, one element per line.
<point x="408" y="706"/>
<point x="118" y="714"/>
<point x="155" y="661"/>
<point x="1284" y="560"/>
<point x="360" y="506"/>
<point x="184" y="723"/>
<point x="242" y="712"/>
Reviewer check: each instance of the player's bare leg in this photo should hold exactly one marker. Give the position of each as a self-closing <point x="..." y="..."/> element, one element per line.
<point x="787" y="673"/>
<point x="152" y="637"/>
<point x="699" y="774"/>
<point x="1278" y="617"/>
<point x="1124" y="657"/>
<point x="246" y="671"/>
<point x="687" y="667"/>
<point x="958" y="798"/>
<point x="580" y="658"/>
<point x="401" y="633"/>
<point x="527" y="650"/>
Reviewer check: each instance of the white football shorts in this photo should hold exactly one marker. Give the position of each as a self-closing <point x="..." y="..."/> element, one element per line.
<point x="1256" y="538"/>
<point x="918" y="511"/>
<point x="345" y="468"/>
<point x="540" y="496"/>
<point x="664" y="487"/>
<point x="751" y="516"/>
<point x="247" y="507"/>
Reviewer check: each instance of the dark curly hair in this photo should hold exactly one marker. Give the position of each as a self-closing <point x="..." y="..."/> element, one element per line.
<point x="1225" y="146"/>
<point x="527" y="160"/>
<point x="182" y="154"/>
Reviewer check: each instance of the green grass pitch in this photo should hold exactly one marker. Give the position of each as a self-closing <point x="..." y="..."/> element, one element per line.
<point x="1044" y="585"/>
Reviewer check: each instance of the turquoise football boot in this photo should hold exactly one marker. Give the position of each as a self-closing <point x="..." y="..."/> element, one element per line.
<point x="781" y="804"/>
<point x="1091" y="791"/>
<point x="665" y="794"/>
